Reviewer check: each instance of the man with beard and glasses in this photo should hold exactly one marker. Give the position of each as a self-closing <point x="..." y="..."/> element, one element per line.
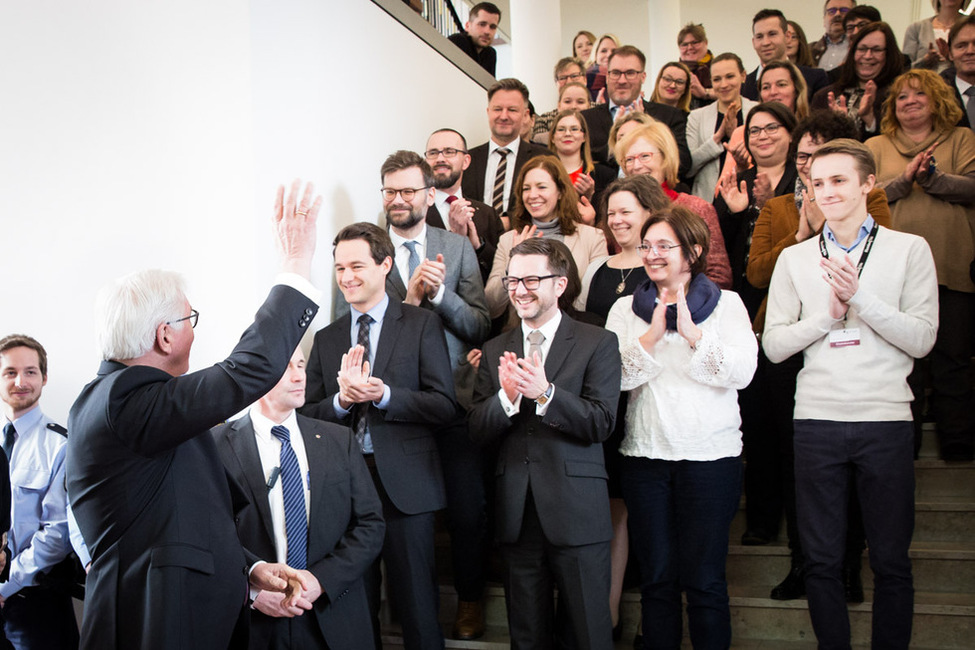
<point x="438" y="270"/>
<point x="447" y="155"/>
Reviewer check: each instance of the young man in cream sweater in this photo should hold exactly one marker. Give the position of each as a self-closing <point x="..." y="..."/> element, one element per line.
<point x="861" y="302"/>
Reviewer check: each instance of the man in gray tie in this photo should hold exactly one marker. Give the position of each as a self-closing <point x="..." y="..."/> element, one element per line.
<point x="385" y="371"/>
<point x="961" y="76"/>
<point x="547" y="392"/>
<point x="312" y="505"/>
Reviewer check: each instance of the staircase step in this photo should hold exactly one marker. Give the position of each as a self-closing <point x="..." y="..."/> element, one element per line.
<point x="938" y="478"/>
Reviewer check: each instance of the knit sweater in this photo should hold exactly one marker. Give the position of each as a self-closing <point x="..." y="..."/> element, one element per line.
<point x="895" y="308"/>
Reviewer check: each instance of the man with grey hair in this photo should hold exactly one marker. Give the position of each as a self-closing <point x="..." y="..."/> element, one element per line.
<point x="147" y="486"/>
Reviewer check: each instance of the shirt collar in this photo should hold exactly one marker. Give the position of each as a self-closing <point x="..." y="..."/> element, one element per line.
<point x="28" y="420"/>
<point x="962" y="86"/>
<point x="548" y="329"/>
<point x="399" y="240"/>
<point x="441" y="196"/>
<point x="376" y="312"/>
<point x="262" y="425"/>
<point x="862" y="233"/>
<point x="511" y="146"/>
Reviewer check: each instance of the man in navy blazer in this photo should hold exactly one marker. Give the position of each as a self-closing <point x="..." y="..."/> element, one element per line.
<point x="768" y="39"/>
<point x="549" y="409"/>
<point x="385" y="371"/>
<point x="146" y="485"/>
<point x="624" y="83"/>
<point x="344" y="531"/>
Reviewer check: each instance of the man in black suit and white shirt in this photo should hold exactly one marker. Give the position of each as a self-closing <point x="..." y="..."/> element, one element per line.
<point x="547" y="392"/>
<point x="961" y="75"/>
<point x="147" y="487"/>
<point x="338" y="521"/>
<point x="625" y="76"/>
<point x="507" y="113"/>
<point x="384" y="369"/>
<point x="447" y="155"/>
<point x="768" y="39"/>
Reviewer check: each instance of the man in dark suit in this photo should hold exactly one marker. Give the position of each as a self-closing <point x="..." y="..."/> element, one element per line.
<point x="495" y="164"/>
<point x="625" y="76"/>
<point x="961" y="76"/>
<point x="147" y="487"/>
<point x="475" y="41"/>
<point x="384" y="369"/>
<point x="768" y="39"/>
<point x="548" y="391"/>
<point x="447" y="155"/>
<point x="343" y="529"/>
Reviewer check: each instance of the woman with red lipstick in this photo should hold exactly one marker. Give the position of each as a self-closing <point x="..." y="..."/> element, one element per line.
<point x="569" y="141"/>
<point x="686" y="347"/>
<point x="927" y="167"/>
<point x="651" y="149"/>
<point x="673" y="86"/>
<point x="710" y="128"/>
<point x="873" y="63"/>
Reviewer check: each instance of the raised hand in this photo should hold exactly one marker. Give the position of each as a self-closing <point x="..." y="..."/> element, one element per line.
<point x="530" y="374"/>
<point x="459" y="215"/>
<point x="526" y="232"/>
<point x="585" y="186"/>
<point x="433" y="273"/>
<point x="587" y="213"/>
<point x="507" y="364"/>
<point x="295" y="228"/>
<point x="841" y="276"/>
<point x="734" y="194"/>
<point x="763" y="190"/>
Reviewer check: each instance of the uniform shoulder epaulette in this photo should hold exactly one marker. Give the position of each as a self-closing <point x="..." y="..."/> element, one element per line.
<point x="57" y="428"/>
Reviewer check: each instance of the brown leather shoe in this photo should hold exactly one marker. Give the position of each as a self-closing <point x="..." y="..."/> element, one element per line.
<point x="469" y="623"/>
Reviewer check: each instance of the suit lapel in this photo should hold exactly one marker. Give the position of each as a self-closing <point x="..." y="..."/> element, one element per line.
<point x="315" y="451"/>
<point x="245" y="447"/>
<point x="434" y="218"/>
<point x="388" y="337"/>
<point x="561" y="347"/>
<point x="395" y="286"/>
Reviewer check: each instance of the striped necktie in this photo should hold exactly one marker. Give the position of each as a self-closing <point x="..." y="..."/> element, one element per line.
<point x="295" y="517"/>
<point x="497" y="201"/>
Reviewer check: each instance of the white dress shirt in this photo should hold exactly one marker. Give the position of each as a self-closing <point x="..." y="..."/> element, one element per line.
<point x="548" y="330"/>
<point x="440" y="200"/>
<point x="269" y="448"/>
<point x="492" y="171"/>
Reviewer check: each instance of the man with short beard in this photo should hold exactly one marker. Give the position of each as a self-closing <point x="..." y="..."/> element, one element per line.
<point x="447" y="155"/>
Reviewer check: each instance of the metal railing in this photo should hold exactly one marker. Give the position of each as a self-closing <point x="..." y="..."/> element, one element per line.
<point x="444" y="16"/>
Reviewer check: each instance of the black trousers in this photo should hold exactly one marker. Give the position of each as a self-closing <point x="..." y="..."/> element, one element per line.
<point x="38" y="618"/>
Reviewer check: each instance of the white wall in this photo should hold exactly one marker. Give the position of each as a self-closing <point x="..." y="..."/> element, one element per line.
<point x="142" y="135"/>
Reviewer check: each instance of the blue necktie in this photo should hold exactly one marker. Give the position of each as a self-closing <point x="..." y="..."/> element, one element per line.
<point x="295" y="518"/>
<point x="9" y="437"/>
<point x="414" y="260"/>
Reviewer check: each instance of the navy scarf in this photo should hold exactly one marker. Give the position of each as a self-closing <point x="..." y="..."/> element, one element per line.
<point x="702" y="297"/>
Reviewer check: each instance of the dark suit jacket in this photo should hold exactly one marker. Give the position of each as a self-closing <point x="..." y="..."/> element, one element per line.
<point x="345" y="525"/>
<point x="463" y="311"/>
<point x="949" y="77"/>
<point x="600" y="121"/>
<point x="816" y="79"/>
<point x="473" y="181"/>
<point x="558" y="455"/>
<point x="412" y="359"/>
<point x="489" y="230"/>
<point x="487" y="58"/>
<point x="151" y="496"/>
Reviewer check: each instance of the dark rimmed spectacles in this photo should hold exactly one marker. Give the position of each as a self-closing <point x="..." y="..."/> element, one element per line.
<point x="449" y="152"/>
<point x="510" y="282"/>
<point x="629" y="74"/>
<point x="193" y="318"/>
<point x="407" y="192"/>
<point x="658" y="249"/>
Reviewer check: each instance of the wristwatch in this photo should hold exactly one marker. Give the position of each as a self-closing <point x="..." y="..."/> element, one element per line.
<point x="543" y="399"/>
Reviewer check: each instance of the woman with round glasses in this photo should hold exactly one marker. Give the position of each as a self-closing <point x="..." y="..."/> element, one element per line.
<point x="874" y="61"/>
<point x="673" y="86"/>
<point x="686" y="347"/>
<point x="547" y="205"/>
<point x="569" y="141"/>
<point x="926" y="165"/>
<point x="710" y="129"/>
<point x="651" y="149"/>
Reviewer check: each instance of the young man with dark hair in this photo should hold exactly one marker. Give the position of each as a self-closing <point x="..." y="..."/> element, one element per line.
<point x="395" y="396"/>
<point x="478" y="34"/>
<point x="861" y="303"/>
<point x="547" y="393"/>
<point x="768" y="39"/>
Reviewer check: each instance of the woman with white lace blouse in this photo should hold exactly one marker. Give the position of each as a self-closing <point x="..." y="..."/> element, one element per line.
<point x="687" y="347"/>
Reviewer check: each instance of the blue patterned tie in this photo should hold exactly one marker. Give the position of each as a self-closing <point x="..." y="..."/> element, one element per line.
<point x="414" y="260"/>
<point x="360" y="411"/>
<point x="295" y="517"/>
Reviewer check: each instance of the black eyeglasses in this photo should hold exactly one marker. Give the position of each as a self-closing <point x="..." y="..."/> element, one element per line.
<point x="770" y="129"/>
<point x="193" y="318"/>
<point x="448" y="152"/>
<point x="510" y="282"/>
<point x="832" y="11"/>
<point x="629" y="74"/>
<point x="567" y="77"/>
<point x="407" y="192"/>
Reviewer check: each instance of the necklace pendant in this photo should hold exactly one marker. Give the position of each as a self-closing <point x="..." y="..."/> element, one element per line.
<point x="620" y="287"/>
